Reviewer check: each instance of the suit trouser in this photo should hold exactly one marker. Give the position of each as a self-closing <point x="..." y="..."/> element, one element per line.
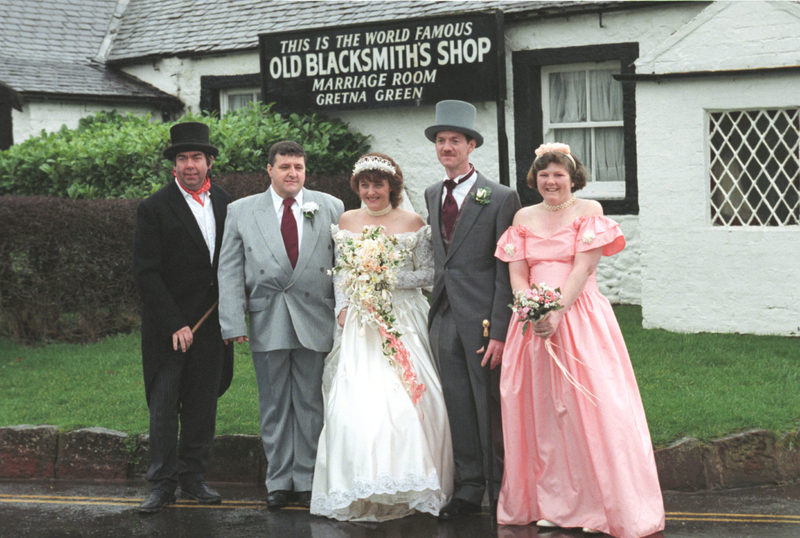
<point x="185" y="391"/>
<point x="464" y="387"/>
<point x="290" y="399"/>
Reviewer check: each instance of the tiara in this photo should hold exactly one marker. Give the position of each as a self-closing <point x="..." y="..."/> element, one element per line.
<point x="555" y="147"/>
<point x="373" y="162"/>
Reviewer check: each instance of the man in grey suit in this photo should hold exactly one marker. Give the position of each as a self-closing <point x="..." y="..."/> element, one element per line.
<point x="276" y="253"/>
<point x="468" y="214"/>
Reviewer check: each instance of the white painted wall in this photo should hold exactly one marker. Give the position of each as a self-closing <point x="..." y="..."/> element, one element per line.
<point x="181" y="76"/>
<point x="51" y="115"/>
<point x="699" y="277"/>
<point x="399" y="132"/>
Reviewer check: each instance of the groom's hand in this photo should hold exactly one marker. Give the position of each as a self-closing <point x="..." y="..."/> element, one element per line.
<point x="237" y="339"/>
<point x="494" y="353"/>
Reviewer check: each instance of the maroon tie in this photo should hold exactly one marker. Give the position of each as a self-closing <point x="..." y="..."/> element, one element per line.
<point x="289" y="230"/>
<point x="449" y="209"/>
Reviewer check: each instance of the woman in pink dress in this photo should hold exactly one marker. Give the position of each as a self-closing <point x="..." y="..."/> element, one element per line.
<point x="577" y="454"/>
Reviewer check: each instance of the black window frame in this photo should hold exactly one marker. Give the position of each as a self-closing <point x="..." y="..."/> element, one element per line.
<point x="210" y="87"/>
<point x="529" y="120"/>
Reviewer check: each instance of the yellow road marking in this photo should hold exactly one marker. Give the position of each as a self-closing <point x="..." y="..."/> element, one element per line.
<point x="714" y="514"/>
<point x="127" y="501"/>
<point x="760" y="520"/>
<point x="257" y="505"/>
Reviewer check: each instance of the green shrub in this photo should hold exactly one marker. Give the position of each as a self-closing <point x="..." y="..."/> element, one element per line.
<point x="115" y="156"/>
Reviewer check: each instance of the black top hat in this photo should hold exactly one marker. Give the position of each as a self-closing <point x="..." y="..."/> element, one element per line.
<point x="458" y="116"/>
<point x="189" y="136"/>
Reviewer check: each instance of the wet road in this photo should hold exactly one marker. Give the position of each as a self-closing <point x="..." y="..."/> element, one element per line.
<point x="57" y="509"/>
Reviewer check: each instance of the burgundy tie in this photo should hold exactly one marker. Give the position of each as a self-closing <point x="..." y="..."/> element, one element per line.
<point x="449" y="209"/>
<point x="289" y="230"/>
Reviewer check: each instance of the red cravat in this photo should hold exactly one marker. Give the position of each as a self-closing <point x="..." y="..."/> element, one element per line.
<point x="289" y="231"/>
<point x="205" y="187"/>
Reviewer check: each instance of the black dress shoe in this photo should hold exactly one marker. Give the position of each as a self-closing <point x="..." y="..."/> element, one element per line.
<point x="197" y="489"/>
<point x="156" y="501"/>
<point x="303" y="498"/>
<point x="457" y="508"/>
<point x="278" y="499"/>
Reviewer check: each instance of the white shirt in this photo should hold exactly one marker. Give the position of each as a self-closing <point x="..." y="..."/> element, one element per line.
<point x="298" y="214"/>
<point x="204" y="215"/>
<point x="462" y="189"/>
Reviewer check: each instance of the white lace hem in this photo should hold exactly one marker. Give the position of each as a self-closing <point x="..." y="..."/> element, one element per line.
<point x="386" y="498"/>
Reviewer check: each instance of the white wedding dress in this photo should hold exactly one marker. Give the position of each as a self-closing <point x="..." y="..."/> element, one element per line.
<point x="380" y="456"/>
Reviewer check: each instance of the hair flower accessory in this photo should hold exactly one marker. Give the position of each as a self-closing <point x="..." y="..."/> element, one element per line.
<point x="309" y="209"/>
<point x="373" y="162"/>
<point x="555" y="147"/>
<point x="482" y="195"/>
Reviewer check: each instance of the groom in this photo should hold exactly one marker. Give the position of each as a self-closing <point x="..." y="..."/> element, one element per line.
<point x="276" y="253"/>
<point x="468" y="214"/>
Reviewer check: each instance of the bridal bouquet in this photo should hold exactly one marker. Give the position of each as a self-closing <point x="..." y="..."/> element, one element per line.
<point x="367" y="264"/>
<point x="531" y="305"/>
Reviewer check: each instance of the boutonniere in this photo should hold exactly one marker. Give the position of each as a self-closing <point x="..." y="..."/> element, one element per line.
<point x="309" y="209"/>
<point x="482" y="195"/>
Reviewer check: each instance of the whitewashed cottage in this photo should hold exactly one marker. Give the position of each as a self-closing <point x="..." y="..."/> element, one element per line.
<point x="687" y="113"/>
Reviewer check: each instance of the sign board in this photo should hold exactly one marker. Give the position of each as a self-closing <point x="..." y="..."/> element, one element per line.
<point x="410" y="62"/>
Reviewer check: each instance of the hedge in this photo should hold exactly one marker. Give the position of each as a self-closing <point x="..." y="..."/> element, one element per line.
<point x="114" y="156"/>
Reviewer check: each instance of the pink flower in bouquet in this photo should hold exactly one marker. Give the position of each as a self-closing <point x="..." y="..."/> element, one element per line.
<point x="532" y="304"/>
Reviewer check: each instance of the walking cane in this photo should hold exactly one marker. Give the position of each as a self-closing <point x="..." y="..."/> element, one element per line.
<point x="492" y="501"/>
<point x="205" y="316"/>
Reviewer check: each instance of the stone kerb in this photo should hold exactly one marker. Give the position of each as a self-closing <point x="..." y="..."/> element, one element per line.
<point x="92" y="453"/>
<point x="750" y="458"/>
<point x="28" y="451"/>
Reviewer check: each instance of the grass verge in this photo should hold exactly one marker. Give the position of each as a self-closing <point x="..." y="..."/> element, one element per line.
<point x="699" y="385"/>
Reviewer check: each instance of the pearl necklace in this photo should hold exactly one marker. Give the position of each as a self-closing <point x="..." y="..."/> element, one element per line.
<point x="380" y="213"/>
<point x="559" y="207"/>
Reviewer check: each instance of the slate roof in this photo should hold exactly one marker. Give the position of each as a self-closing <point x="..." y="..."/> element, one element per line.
<point x="70" y="48"/>
<point x="51" y="47"/>
<point x="157" y="28"/>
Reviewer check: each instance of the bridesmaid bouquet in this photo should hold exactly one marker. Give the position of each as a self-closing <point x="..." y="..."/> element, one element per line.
<point x="531" y="305"/>
<point x="368" y="265"/>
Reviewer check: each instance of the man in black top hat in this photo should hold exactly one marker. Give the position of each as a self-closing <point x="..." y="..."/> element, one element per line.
<point x="186" y="365"/>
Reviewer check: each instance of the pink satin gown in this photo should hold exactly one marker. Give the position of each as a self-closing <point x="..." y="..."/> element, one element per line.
<point x="568" y="460"/>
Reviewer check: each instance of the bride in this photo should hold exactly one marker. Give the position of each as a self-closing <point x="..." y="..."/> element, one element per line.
<point x="384" y="451"/>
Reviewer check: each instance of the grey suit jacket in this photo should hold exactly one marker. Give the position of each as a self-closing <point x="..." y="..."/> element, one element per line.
<point x="287" y="306"/>
<point x="476" y="283"/>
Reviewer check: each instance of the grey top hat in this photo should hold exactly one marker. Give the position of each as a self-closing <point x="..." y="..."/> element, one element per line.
<point x="458" y="116"/>
<point x="189" y="136"/>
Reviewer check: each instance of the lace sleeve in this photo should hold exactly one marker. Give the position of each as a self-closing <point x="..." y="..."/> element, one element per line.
<point x="422" y="257"/>
<point x="341" y="298"/>
<point x="338" y="278"/>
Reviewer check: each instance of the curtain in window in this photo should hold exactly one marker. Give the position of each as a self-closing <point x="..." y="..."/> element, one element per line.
<point x="567" y="97"/>
<point x="606" y="96"/>
<point x="570" y="97"/>
<point x="579" y="142"/>
<point x="236" y="102"/>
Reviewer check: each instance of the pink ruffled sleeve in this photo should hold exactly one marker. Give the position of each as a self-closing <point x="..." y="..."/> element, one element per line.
<point x="511" y="246"/>
<point x="598" y="231"/>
